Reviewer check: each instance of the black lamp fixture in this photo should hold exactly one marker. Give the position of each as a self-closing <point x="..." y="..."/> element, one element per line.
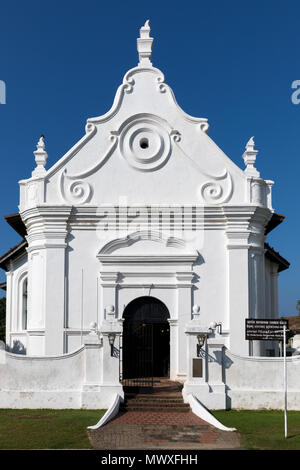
<point x="201" y="339"/>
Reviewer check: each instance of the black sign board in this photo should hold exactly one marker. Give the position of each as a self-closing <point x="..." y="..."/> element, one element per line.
<point x="265" y="329"/>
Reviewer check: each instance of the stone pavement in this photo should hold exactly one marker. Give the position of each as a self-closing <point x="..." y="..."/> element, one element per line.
<point x="139" y="430"/>
<point x="161" y="430"/>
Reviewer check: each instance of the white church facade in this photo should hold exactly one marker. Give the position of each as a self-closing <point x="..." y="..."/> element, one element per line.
<point x="144" y="251"/>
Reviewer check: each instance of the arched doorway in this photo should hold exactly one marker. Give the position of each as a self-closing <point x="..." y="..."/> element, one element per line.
<point x="146" y="342"/>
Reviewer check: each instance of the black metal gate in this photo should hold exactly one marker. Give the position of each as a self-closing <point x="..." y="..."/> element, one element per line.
<point x="145" y="343"/>
<point x="137" y="354"/>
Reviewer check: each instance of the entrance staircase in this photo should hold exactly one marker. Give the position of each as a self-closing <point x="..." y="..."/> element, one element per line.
<point x="165" y="396"/>
<point x="159" y="420"/>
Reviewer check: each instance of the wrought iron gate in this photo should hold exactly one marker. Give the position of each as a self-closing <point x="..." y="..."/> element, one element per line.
<point x="137" y="354"/>
<point x="144" y="345"/>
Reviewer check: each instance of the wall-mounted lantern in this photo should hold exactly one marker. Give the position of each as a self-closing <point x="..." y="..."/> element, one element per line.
<point x="201" y="339"/>
<point x="214" y="325"/>
<point x="111" y="338"/>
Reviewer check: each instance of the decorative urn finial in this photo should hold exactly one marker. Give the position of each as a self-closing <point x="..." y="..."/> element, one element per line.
<point x="40" y="158"/>
<point x="93" y="328"/>
<point x="144" y="45"/>
<point x="249" y="157"/>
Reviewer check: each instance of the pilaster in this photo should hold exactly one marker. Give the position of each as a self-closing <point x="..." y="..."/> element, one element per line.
<point x="245" y="275"/>
<point x="111" y="330"/>
<point x="91" y="391"/>
<point x="184" y="307"/>
<point x="47" y="232"/>
<point x="257" y="290"/>
<point x="196" y="358"/>
<point x="174" y="339"/>
<point x="216" y="377"/>
<point x="108" y="288"/>
<point x="237" y="290"/>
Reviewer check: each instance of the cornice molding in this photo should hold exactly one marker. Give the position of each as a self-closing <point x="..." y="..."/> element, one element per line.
<point x="45" y="246"/>
<point x="148" y="260"/>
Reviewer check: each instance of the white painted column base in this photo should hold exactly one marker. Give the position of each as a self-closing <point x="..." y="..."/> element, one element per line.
<point x="99" y="396"/>
<point x="212" y="396"/>
<point x="194" y="388"/>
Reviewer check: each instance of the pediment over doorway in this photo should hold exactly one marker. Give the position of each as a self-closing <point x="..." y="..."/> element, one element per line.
<point x="144" y="241"/>
<point x="147" y="247"/>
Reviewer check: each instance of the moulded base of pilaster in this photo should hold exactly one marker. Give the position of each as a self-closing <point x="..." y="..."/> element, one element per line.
<point x="96" y="397"/>
<point x="212" y="396"/>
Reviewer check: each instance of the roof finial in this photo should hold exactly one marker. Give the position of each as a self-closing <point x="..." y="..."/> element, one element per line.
<point x="249" y="157"/>
<point x="144" y="45"/>
<point x="40" y="158"/>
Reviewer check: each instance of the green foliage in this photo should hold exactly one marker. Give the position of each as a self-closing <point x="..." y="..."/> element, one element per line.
<point x="2" y="318"/>
<point x="298" y="307"/>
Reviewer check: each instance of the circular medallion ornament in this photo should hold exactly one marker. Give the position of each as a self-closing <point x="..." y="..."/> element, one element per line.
<point x="145" y="142"/>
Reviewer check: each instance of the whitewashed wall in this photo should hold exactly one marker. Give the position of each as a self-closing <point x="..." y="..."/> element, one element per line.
<point x="65" y="381"/>
<point x="245" y="382"/>
<point x="41" y="382"/>
<point x="257" y="382"/>
<point x="74" y="380"/>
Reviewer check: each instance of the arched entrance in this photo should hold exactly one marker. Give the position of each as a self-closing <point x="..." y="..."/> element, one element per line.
<point x="146" y="342"/>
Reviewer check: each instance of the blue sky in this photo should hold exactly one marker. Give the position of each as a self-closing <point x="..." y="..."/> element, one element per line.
<point x="232" y="62"/>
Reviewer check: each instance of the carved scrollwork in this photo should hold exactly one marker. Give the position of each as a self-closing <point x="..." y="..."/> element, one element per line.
<point x="90" y="127"/>
<point x="76" y="191"/>
<point x="128" y="84"/>
<point x="212" y="192"/>
<point x="175" y="135"/>
<point x="204" y="126"/>
<point x="162" y="87"/>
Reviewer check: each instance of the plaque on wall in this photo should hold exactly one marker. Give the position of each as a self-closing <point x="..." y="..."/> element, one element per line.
<point x="197" y="367"/>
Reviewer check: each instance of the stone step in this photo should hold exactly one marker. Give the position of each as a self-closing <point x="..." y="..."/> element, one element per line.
<point x="159" y="401"/>
<point x="154" y="400"/>
<point x="156" y="409"/>
<point x="153" y="397"/>
<point x="159" y="405"/>
<point x="150" y="406"/>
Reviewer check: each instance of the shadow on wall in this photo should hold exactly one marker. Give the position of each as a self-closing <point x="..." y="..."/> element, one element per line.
<point x="223" y="360"/>
<point x="227" y="363"/>
<point x="17" y="348"/>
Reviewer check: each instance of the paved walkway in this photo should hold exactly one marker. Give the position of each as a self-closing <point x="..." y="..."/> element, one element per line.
<point x="139" y="430"/>
<point x="161" y="430"/>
